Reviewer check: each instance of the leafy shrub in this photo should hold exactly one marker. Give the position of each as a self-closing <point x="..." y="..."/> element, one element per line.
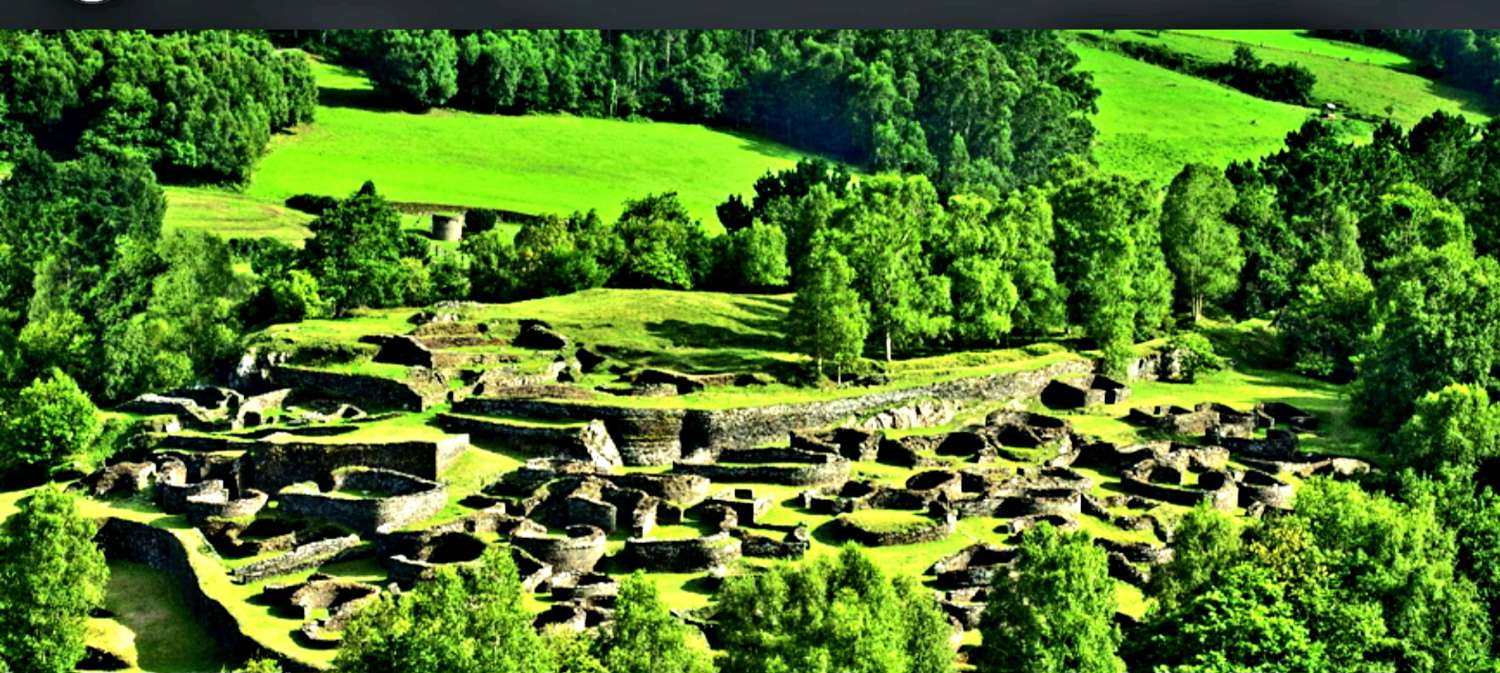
<point x="312" y="204"/>
<point x="50" y="421"/>
<point x="1197" y="354"/>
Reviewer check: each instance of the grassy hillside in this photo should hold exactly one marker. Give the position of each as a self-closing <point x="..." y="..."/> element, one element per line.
<point x="233" y="215"/>
<point x="1359" y="79"/>
<point x="1152" y="120"/>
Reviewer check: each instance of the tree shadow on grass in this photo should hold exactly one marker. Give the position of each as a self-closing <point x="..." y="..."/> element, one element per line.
<point x="359" y="99"/>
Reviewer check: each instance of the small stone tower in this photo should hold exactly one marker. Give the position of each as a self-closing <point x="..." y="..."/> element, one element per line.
<point x="447" y="227"/>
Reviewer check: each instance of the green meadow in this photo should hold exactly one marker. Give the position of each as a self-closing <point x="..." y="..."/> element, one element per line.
<point x="1152" y="120"/>
<point x="1358" y="79"/>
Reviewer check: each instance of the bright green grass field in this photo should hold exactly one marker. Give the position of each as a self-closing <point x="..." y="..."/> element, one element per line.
<point x="1357" y="78"/>
<point x="150" y="604"/>
<point x="233" y="215"/>
<point x="529" y="163"/>
<point x="1152" y="120"/>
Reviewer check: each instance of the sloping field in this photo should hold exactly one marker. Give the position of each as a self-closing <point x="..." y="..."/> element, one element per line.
<point x="1359" y="79"/>
<point x="530" y="164"/>
<point x="1152" y="120"/>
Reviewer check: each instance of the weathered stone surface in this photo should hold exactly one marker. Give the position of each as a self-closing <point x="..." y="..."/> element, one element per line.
<point x="1088" y="392"/>
<point x="919" y="414"/>
<point x="587" y="442"/>
<point x="660" y="436"/>
<point x="578" y="552"/>
<point x="368" y="500"/>
<point x="431" y="553"/>
<point x="538" y="336"/>
<point x="304" y="557"/>
<point x="1288" y="416"/>
<point x="941" y="524"/>
<point x="282" y="461"/>
<point x="771" y="466"/>
<point x="1257" y="487"/>
<point x="120" y="479"/>
<point x="682" y="556"/>
<point x="364" y="389"/>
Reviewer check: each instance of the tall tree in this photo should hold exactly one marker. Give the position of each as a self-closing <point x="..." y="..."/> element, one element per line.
<point x="416" y="67"/>
<point x="1202" y="248"/>
<point x="885" y="224"/>
<point x="355" y="252"/>
<point x="1110" y="259"/>
<point x="51" y="576"/>
<point x="1055" y="612"/>
<point x="1437" y="321"/>
<point x="1453" y="427"/>
<point x="827" y="321"/>
<point x="1322" y="326"/>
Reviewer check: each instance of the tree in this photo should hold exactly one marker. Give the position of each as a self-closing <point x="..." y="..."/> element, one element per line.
<point x="1453" y="427"/>
<point x="978" y="249"/>
<point x="1408" y="216"/>
<point x="1205" y="542"/>
<point x="49" y="421"/>
<point x="355" y="252"/>
<point x="1041" y="305"/>
<point x="1322" y="326"/>
<point x="1437" y="321"/>
<point x="664" y="246"/>
<point x="1110" y="259"/>
<point x="1239" y="622"/>
<point x="51" y="576"/>
<point x="837" y="614"/>
<point x="419" y="68"/>
<point x="646" y="638"/>
<point x="885" y="224"/>
<point x="463" y="621"/>
<point x="1054" y="613"/>
<point x="754" y="257"/>
<point x="1398" y="559"/>
<point x="1202" y="248"/>
<point x="827" y="320"/>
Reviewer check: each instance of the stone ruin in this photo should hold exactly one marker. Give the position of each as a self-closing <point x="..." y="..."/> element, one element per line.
<point x="1089" y="392"/>
<point x="320" y="593"/>
<point x="336" y="499"/>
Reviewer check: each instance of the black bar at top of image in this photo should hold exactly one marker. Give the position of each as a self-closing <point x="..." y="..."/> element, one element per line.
<point x="287" y="14"/>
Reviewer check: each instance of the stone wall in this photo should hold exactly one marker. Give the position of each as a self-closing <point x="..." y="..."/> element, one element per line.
<point x="682" y="556"/>
<point x="660" y="436"/>
<point x="362" y="389"/>
<point x="280" y="464"/>
<point x="643" y="436"/>
<point x="836" y="470"/>
<point x="409" y="499"/>
<point x="304" y="557"/>
<point x="160" y="549"/>
<point x="578" y="552"/>
<point x="589" y="442"/>
<point x="938" y="528"/>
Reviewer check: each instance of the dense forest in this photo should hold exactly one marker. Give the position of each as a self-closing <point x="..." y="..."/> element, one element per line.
<point x="964" y="107"/>
<point x="978" y="219"/>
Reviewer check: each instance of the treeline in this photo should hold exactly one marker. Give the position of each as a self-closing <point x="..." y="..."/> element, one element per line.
<point x="1467" y="58"/>
<point x="962" y="106"/>
<point x="1287" y="83"/>
<point x="195" y="105"/>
